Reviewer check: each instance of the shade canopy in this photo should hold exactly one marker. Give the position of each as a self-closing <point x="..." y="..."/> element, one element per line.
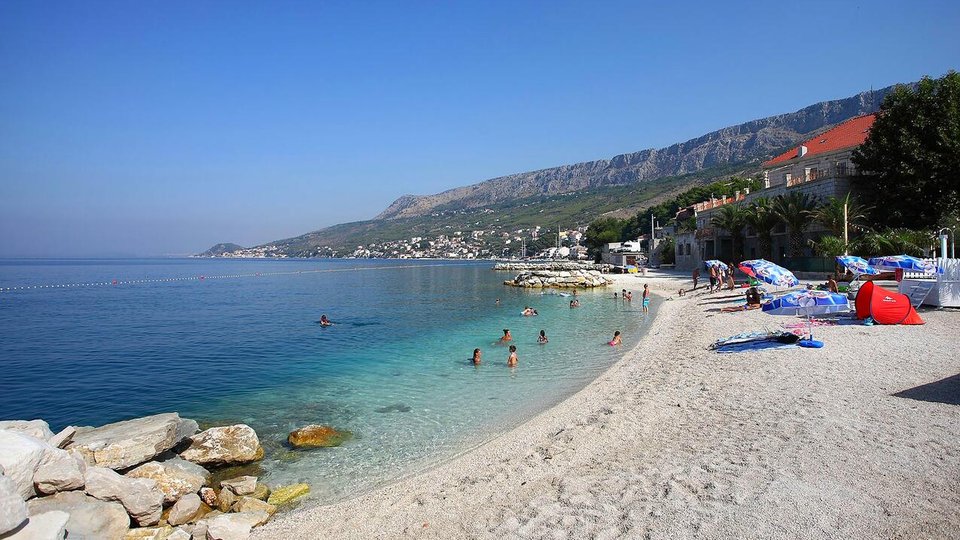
<point x="857" y="265"/>
<point x="903" y="262"/>
<point x="809" y="303"/>
<point x="769" y="272"/>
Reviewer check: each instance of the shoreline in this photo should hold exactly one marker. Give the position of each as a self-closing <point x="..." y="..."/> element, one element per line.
<point x="674" y="440"/>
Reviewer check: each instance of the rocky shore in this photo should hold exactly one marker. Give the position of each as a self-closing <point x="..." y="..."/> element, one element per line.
<point x="157" y="477"/>
<point x="563" y="279"/>
<point x="556" y="266"/>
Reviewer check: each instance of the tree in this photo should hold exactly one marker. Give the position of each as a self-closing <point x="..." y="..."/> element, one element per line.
<point x="794" y="211"/>
<point x="760" y="217"/>
<point x="829" y="246"/>
<point x="911" y="158"/>
<point x="667" y="251"/>
<point x="830" y="214"/>
<point x="601" y="232"/>
<point x="732" y="219"/>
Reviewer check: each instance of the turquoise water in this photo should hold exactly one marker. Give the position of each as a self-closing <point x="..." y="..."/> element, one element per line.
<point x="242" y="345"/>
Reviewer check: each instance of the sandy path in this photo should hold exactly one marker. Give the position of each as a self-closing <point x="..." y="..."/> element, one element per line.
<point x="675" y="441"/>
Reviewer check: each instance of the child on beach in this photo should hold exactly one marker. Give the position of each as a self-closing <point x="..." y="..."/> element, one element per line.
<point x="476" y="357"/>
<point x="506" y="336"/>
<point x="512" y="359"/>
<point x="646" y="298"/>
<point x="616" y="339"/>
<point x="543" y="337"/>
<point x="696" y="277"/>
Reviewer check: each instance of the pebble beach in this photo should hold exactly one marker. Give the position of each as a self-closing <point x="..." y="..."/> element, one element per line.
<point x="858" y="439"/>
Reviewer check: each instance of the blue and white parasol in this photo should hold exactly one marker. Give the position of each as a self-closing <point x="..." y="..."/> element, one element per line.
<point x="807" y="303"/>
<point x="857" y="265"/>
<point x="773" y="274"/>
<point x="905" y="263"/>
<point x="713" y="263"/>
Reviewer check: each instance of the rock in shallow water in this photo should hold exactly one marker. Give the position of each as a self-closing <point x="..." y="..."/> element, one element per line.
<point x="286" y="494"/>
<point x="242" y="485"/>
<point x="124" y="444"/>
<point x="224" y="446"/>
<point x="316" y="436"/>
<point x="185" y="510"/>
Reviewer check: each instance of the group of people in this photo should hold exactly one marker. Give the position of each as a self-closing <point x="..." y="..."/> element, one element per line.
<point x="628" y="297"/>
<point x="720" y="278"/>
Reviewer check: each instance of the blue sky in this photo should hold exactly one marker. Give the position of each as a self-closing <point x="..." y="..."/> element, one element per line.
<point x="149" y="128"/>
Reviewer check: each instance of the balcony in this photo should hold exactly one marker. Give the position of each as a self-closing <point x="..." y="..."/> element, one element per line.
<point x="841" y="170"/>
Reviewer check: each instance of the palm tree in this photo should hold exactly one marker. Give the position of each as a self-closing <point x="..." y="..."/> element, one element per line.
<point x="830" y="215"/>
<point x="794" y="211"/>
<point x="732" y="218"/>
<point x="760" y="217"/>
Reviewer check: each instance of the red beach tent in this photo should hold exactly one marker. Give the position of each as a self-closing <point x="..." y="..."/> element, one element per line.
<point x="885" y="307"/>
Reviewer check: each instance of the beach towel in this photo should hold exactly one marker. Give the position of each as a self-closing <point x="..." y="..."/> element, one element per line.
<point x="755" y="337"/>
<point x="756" y="346"/>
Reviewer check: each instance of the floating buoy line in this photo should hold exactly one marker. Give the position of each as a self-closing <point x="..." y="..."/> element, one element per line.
<point x="118" y="282"/>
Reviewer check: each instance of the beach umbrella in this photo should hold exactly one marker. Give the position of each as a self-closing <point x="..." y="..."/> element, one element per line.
<point x="808" y="303"/>
<point x="858" y="265"/>
<point x="713" y="263"/>
<point x="903" y="262"/>
<point x="773" y="274"/>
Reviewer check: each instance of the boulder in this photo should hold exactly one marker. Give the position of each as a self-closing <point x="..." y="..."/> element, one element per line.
<point x="20" y="455"/>
<point x="286" y="494"/>
<point x="89" y="517"/>
<point x="50" y="525"/>
<point x="59" y="471"/>
<point x="209" y="496"/>
<point x="180" y="534"/>
<point x="13" y="511"/>
<point x="149" y="533"/>
<point x="38" y="429"/>
<point x="175" y="477"/>
<point x="261" y="492"/>
<point x="122" y="445"/>
<point x="249" y="504"/>
<point x="224" y="446"/>
<point x="233" y="526"/>
<point x="242" y="485"/>
<point x="314" y="436"/>
<point x="185" y="510"/>
<point x="65" y="437"/>
<point x="141" y="497"/>
<point x="225" y="500"/>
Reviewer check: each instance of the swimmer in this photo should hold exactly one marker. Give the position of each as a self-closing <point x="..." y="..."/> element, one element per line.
<point x="512" y="359"/>
<point x="574" y="303"/>
<point x="543" y="337"/>
<point x="476" y="357"/>
<point x="324" y="321"/>
<point x="498" y="301"/>
<point x="629" y="296"/>
<point x="506" y="336"/>
<point x="616" y="339"/>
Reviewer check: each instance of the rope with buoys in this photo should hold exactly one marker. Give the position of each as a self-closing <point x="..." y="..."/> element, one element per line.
<point x="118" y="282"/>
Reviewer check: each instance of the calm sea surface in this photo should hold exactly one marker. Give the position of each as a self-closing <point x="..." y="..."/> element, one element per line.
<point x="116" y="339"/>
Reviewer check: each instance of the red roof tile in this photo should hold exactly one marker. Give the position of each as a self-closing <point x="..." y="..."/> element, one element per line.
<point x="846" y="135"/>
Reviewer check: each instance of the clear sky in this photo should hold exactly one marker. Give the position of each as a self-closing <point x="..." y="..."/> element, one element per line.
<point x="150" y="128"/>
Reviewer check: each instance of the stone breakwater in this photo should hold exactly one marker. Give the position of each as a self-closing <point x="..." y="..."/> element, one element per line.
<point x="557" y="266"/>
<point x="559" y="279"/>
<point x="153" y="477"/>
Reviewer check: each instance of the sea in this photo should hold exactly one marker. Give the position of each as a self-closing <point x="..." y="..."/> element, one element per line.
<point x="225" y="341"/>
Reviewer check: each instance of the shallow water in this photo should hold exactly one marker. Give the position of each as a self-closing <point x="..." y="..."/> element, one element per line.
<point x="241" y="347"/>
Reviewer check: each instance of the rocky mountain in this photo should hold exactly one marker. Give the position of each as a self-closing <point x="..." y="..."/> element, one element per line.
<point x="220" y="249"/>
<point x="756" y="139"/>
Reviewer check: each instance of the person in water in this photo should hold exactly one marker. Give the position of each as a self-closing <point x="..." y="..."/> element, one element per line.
<point x="646" y="298"/>
<point x="543" y="337"/>
<point x="324" y="321"/>
<point x="512" y="359"/>
<point x="616" y="339"/>
<point x="506" y="336"/>
<point x="476" y="357"/>
<point x="574" y="303"/>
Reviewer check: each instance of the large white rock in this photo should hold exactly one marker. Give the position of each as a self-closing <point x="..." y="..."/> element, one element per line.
<point x="179" y="534"/>
<point x="175" y="477"/>
<point x="50" y="525"/>
<point x="13" y="511"/>
<point x="89" y="517"/>
<point x="230" y="527"/>
<point x="20" y="455"/>
<point x="59" y="471"/>
<point x="141" y="497"/>
<point x="124" y="444"/>
<point x="65" y="437"/>
<point x="184" y="510"/>
<point x="37" y="429"/>
<point x="224" y="445"/>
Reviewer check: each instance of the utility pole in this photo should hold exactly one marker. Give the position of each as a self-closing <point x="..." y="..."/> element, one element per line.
<point x="845" y="237"/>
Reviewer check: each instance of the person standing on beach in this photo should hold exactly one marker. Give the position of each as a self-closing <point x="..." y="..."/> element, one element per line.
<point x="696" y="277"/>
<point x="512" y="359"/>
<point x="646" y="298"/>
<point x="476" y="357"/>
<point x="730" y="280"/>
<point x="713" y="277"/>
<point x="506" y="336"/>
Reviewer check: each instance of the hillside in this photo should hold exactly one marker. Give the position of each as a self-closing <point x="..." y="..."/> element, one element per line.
<point x="722" y="147"/>
<point x="571" y="195"/>
<point x="220" y="249"/>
